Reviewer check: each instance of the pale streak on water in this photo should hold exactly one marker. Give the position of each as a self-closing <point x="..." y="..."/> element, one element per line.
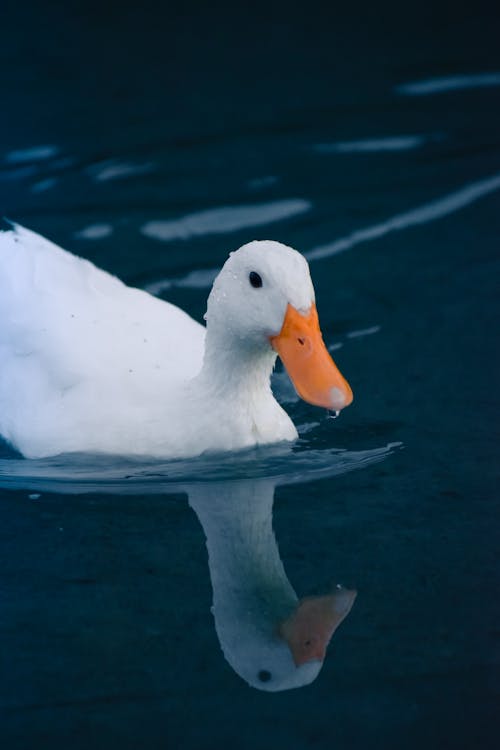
<point x="33" y="153"/>
<point x="432" y="211"/>
<point x="449" y="83"/>
<point x="95" y="232"/>
<point x="437" y="209"/>
<point x="363" y="332"/>
<point x="224" y="219"/>
<point x="373" y="145"/>
<point x="198" y="279"/>
<point x="116" y="170"/>
<point x="43" y="185"/>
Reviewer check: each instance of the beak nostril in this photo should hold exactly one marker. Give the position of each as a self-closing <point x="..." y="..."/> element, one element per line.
<point x="301" y="341"/>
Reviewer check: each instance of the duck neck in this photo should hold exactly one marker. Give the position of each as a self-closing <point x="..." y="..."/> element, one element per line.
<point x="237" y="369"/>
<point x="248" y="578"/>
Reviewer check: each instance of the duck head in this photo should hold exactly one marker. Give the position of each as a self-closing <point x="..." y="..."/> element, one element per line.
<point x="294" y="655"/>
<point x="264" y="298"/>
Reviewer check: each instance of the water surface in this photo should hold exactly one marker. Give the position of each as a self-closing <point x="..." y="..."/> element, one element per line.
<point x="153" y="143"/>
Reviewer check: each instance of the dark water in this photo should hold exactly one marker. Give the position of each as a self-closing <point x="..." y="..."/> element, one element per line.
<point x="153" y="141"/>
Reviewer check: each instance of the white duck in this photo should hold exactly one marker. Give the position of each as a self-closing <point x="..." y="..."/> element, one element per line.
<point x="269" y="637"/>
<point x="89" y="364"/>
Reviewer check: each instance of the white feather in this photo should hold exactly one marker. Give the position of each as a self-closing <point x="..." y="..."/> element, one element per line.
<point x="90" y="364"/>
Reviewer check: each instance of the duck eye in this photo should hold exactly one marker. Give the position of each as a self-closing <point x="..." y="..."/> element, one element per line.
<point x="264" y="675"/>
<point x="255" y="279"/>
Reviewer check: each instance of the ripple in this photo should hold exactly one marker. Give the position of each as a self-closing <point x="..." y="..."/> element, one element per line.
<point x="449" y="83"/>
<point x="224" y="219"/>
<point x="441" y="207"/>
<point x="95" y="232"/>
<point x="18" y="173"/>
<point x="444" y="206"/>
<point x="260" y="183"/>
<point x="116" y="170"/>
<point x="373" y="145"/>
<point x="199" y="279"/>
<point x="33" y="153"/>
<point x="43" y="185"/>
<point x="84" y="473"/>
<point x="363" y="332"/>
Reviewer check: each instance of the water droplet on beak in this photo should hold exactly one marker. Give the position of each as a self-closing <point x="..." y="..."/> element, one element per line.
<point x="333" y="414"/>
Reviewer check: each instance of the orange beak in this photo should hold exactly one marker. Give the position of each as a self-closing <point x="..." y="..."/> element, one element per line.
<point x="309" y="629"/>
<point x="313" y="372"/>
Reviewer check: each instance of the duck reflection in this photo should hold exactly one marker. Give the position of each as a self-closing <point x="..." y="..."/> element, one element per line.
<point x="272" y="639"/>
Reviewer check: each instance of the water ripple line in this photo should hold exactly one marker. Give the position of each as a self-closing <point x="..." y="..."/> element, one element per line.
<point x="86" y="473"/>
<point x="373" y="145"/>
<point x="449" y="83"/>
<point x="34" y="153"/>
<point x="225" y="219"/>
<point x="448" y="204"/>
<point x="437" y="209"/>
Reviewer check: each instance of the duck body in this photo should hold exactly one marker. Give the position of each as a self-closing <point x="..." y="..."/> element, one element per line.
<point x="89" y="364"/>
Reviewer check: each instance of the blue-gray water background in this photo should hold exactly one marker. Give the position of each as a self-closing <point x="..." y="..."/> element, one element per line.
<point x="153" y="140"/>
